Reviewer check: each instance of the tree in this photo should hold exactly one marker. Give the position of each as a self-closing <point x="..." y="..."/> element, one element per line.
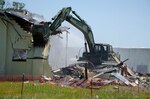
<point x="18" y="5"/>
<point x="2" y="3"/>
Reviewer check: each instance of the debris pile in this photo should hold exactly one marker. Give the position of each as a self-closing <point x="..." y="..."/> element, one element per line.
<point x="74" y="75"/>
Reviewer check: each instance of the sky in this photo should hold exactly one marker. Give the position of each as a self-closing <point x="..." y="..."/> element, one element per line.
<point x="121" y="23"/>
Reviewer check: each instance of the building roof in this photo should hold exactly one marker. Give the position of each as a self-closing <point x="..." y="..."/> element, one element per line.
<point x="23" y="17"/>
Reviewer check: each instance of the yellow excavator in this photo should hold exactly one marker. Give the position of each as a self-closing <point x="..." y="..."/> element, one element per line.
<point x="96" y="53"/>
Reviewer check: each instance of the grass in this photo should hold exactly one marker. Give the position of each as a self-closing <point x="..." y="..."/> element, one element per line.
<point x="32" y="90"/>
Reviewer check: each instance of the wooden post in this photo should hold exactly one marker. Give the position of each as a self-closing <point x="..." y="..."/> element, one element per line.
<point x="86" y="75"/>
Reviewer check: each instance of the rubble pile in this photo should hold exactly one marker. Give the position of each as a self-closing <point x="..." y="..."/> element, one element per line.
<point x="74" y="75"/>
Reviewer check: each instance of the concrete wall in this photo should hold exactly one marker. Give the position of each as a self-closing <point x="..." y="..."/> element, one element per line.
<point x="139" y="58"/>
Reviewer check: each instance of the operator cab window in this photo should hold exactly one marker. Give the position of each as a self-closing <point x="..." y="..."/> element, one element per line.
<point x="19" y="55"/>
<point x="97" y="48"/>
<point x="105" y="48"/>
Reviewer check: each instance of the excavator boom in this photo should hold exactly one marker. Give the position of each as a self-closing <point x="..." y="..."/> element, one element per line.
<point x="85" y="29"/>
<point x="59" y="19"/>
<point x="79" y="23"/>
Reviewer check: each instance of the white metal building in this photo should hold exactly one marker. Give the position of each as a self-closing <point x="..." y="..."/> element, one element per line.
<point x="139" y="58"/>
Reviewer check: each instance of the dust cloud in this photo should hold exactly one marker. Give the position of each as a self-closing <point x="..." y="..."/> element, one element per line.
<point x="58" y="49"/>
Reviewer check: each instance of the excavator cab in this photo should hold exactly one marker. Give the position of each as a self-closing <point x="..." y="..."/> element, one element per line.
<point x="103" y="51"/>
<point x="100" y="53"/>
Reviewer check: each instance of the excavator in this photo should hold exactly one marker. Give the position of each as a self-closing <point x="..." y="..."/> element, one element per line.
<point x="95" y="53"/>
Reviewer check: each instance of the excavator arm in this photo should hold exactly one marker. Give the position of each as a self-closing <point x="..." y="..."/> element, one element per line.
<point x="58" y="20"/>
<point x="65" y="15"/>
<point x="84" y="28"/>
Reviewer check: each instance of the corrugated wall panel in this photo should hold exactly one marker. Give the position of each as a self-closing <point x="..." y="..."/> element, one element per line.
<point x="3" y="35"/>
<point x="139" y="58"/>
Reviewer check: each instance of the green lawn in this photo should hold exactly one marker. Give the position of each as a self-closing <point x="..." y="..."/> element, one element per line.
<point x="32" y="90"/>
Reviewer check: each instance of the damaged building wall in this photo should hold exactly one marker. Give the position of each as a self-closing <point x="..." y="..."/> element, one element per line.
<point x="17" y="53"/>
<point x="139" y="58"/>
<point x="9" y="44"/>
<point x="3" y="44"/>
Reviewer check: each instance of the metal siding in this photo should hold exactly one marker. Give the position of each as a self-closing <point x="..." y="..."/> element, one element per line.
<point x="3" y="36"/>
<point x="137" y="57"/>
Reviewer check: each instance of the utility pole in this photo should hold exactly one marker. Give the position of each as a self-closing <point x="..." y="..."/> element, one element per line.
<point x="66" y="56"/>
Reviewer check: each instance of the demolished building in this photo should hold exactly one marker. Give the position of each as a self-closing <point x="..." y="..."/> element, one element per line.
<point x="24" y="50"/>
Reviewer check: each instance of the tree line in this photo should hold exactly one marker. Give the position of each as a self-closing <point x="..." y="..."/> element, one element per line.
<point x="14" y="5"/>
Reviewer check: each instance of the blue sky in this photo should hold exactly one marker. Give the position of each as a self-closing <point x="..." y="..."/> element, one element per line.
<point x="121" y="23"/>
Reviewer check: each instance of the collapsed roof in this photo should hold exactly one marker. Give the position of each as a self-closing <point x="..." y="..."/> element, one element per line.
<point x="30" y="23"/>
